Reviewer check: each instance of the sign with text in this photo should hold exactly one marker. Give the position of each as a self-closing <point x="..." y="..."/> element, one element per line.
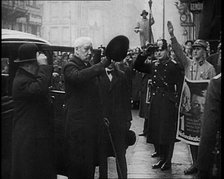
<point x="191" y="109"/>
<point x="196" y="7"/>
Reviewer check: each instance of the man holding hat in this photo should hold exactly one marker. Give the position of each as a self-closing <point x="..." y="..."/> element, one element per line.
<point x="83" y="107"/>
<point x="33" y="125"/>
<point x="142" y="28"/>
<point x="196" y="69"/>
<point x="166" y="85"/>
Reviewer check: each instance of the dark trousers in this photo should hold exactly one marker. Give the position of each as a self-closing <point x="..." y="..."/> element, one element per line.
<point x="145" y="127"/>
<point x="157" y="148"/>
<point x="106" y="150"/>
<point x="166" y="152"/>
<point x="82" y="152"/>
<point x="103" y="166"/>
<point x="194" y="154"/>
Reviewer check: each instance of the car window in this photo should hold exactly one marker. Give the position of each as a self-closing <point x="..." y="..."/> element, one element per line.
<point x="5" y="66"/>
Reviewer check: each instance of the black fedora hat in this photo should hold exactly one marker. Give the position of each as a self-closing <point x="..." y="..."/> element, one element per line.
<point x="144" y="12"/>
<point x="117" y="48"/>
<point x="27" y="53"/>
<point x="131" y="137"/>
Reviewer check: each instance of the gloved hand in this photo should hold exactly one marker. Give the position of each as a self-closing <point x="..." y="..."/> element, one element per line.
<point x="41" y="59"/>
<point x="117" y="66"/>
<point x="105" y="61"/>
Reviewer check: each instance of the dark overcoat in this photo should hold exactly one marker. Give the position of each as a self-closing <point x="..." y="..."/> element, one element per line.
<point x="136" y="86"/>
<point x="116" y="104"/>
<point x="211" y="123"/>
<point x="167" y="79"/>
<point x="83" y="116"/>
<point x="33" y="126"/>
<point x="143" y="105"/>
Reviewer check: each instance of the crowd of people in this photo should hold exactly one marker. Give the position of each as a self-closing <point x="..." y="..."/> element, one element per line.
<point x="98" y="106"/>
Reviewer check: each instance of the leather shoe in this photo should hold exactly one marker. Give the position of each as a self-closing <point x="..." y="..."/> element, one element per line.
<point x="156" y="154"/>
<point x="166" y="166"/>
<point x="191" y="170"/>
<point x="158" y="164"/>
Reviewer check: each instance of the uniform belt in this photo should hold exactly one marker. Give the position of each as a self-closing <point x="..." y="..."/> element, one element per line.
<point x="163" y="90"/>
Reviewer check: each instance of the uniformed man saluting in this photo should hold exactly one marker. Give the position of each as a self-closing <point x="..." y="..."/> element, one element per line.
<point x="167" y="79"/>
<point x="196" y="69"/>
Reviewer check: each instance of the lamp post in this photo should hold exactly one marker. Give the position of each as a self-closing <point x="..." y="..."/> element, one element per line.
<point x="150" y="16"/>
<point x="163" y="19"/>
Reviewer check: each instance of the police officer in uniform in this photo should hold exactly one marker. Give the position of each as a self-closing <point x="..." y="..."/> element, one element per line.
<point x="167" y="79"/>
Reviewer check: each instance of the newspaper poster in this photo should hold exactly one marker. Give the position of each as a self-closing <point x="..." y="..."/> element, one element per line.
<point x="190" y="111"/>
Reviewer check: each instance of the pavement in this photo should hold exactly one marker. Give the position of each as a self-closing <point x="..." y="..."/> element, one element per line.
<point x="140" y="162"/>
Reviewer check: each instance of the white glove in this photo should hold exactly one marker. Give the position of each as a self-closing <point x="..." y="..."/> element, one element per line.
<point x="41" y="59"/>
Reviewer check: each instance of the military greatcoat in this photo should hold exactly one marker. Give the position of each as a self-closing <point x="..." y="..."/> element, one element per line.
<point x="167" y="79"/>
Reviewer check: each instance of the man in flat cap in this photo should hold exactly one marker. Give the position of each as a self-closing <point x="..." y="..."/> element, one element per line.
<point x="196" y="69"/>
<point x="142" y="28"/>
<point x="33" y="125"/>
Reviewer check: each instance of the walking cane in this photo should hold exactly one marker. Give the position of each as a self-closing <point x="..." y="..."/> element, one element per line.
<point x="107" y="123"/>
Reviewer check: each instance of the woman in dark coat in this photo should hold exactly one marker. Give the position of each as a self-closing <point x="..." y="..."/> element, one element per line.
<point x="116" y="103"/>
<point x="33" y="129"/>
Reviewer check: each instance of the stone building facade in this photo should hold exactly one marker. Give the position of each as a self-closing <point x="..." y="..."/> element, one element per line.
<point x="21" y="15"/>
<point x="64" y="21"/>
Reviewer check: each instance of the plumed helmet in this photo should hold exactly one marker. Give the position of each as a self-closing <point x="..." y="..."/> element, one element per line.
<point x="27" y="53"/>
<point x="117" y="48"/>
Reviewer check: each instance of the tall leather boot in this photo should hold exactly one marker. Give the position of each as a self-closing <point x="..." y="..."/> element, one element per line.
<point x="194" y="153"/>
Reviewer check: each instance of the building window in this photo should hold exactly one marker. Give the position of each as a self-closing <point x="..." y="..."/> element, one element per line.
<point x="34" y="29"/>
<point x="20" y="27"/>
<point x="34" y="3"/>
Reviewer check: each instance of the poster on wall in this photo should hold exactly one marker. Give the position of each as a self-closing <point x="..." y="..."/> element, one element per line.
<point x="191" y="109"/>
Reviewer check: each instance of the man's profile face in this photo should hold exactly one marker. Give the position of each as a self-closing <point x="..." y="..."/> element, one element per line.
<point x="84" y="52"/>
<point x="197" y="105"/>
